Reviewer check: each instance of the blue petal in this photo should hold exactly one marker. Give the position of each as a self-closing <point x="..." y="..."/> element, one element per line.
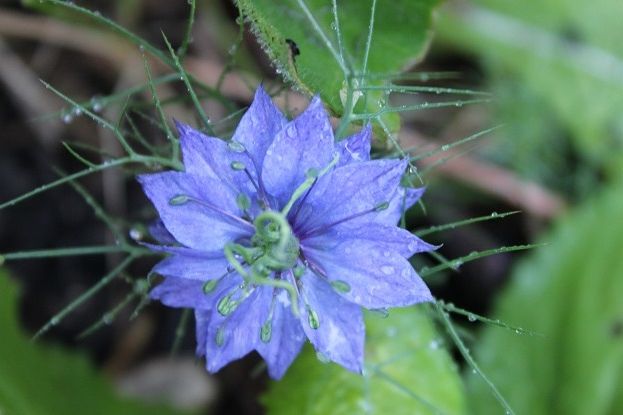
<point x="191" y="264"/>
<point x="258" y="126"/>
<point x="340" y="335"/>
<point x="403" y="200"/>
<point x="348" y="195"/>
<point x="212" y="157"/>
<point x="240" y="331"/>
<point x="287" y="337"/>
<point x="160" y="233"/>
<point x="206" y="223"/>
<point x="304" y="143"/>
<point x="182" y="292"/>
<point x="202" y="319"/>
<point x="385" y="237"/>
<point x="376" y="273"/>
<point x="356" y="147"/>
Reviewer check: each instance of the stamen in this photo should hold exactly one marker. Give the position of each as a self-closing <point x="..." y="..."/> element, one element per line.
<point x="210" y="285"/>
<point x="237" y="165"/>
<point x="312" y="318"/>
<point x="298" y="208"/>
<point x="183" y="199"/>
<point x="236" y="146"/>
<point x="324" y="228"/>
<point x="312" y="175"/>
<point x="340" y="286"/>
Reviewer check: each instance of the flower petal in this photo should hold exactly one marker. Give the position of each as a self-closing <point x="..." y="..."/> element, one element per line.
<point x="232" y="337"/>
<point x="259" y="125"/>
<point x="340" y="334"/>
<point x="160" y="233"/>
<point x="183" y="292"/>
<point x="370" y="273"/>
<point x="212" y="157"/>
<point x="286" y="339"/>
<point x="402" y="200"/>
<point x="304" y="143"/>
<point x="383" y="237"/>
<point x="208" y="221"/>
<point x="356" y="147"/>
<point x="202" y="319"/>
<point x="191" y="264"/>
<point x="349" y="194"/>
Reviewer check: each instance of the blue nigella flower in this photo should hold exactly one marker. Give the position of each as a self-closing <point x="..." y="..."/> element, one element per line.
<point x="281" y="235"/>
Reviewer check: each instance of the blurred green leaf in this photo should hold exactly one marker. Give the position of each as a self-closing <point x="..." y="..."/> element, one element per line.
<point x="408" y="371"/>
<point x="399" y="39"/>
<point x="44" y="380"/>
<point x="569" y="291"/>
<point x="568" y="59"/>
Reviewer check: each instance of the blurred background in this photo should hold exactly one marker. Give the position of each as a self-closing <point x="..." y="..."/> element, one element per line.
<point x="555" y="73"/>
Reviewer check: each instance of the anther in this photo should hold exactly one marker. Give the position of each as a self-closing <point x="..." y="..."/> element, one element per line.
<point x="219" y="338"/>
<point x="236" y="146"/>
<point x="237" y="165"/>
<point x="312" y="318"/>
<point x="179" y="200"/>
<point x="209" y="286"/>
<point x="266" y="331"/>
<point x="340" y="286"/>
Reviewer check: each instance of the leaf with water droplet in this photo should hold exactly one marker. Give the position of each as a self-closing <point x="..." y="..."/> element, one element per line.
<point x="568" y="292"/>
<point x="404" y="375"/>
<point x="399" y="38"/>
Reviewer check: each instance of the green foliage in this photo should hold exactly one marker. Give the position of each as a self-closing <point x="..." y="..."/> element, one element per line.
<point x="570" y="292"/>
<point x="407" y="372"/>
<point x="334" y="52"/>
<point x="558" y="70"/>
<point x="38" y="380"/>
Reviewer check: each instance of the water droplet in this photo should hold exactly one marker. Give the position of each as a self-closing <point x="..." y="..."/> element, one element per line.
<point x="387" y="269"/>
<point x="178" y="200"/>
<point x="107" y="319"/>
<point x="494" y="214"/>
<point x="54" y="321"/>
<point x="76" y="111"/>
<point x="382" y="312"/>
<point x="471" y="317"/>
<point x="136" y="234"/>
<point x="219" y="339"/>
<point x="434" y="344"/>
<point x="96" y="104"/>
<point x="312" y="319"/>
<point x="340" y="286"/>
<point x="381" y="206"/>
<point x="323" y="358"/>
<point x="243" y="201"/>
<point x="67" y="117"/>
<point x="445" y="147"/>
<point x="209" y="286"/>
<point x="266" y="331"/>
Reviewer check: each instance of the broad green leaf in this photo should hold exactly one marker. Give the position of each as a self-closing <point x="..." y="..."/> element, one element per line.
<point x="400" y="35"/>
<point x="565" y="58"/>
<point x="408" y="371"/>
<point x="570" y="292"/>
<point x="44" y="380"/>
